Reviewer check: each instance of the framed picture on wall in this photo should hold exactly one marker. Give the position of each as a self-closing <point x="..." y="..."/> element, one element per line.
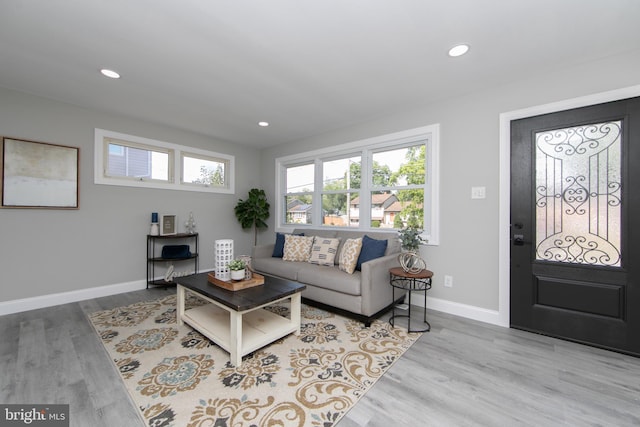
<point x="168" y="225"/>
<point x="38" y="175"/>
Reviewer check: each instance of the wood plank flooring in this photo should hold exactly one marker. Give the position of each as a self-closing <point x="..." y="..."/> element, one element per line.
<point x="462" y="373"/>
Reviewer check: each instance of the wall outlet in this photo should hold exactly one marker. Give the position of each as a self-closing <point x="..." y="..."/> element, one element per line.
<point x="448" y="281"/>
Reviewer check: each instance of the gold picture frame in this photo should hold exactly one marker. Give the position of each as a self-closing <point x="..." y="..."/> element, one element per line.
<point x="39" y="174"/>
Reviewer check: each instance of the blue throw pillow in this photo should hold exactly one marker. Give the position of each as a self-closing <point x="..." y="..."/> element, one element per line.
<point x="278" y="249"/>
<point x="371" y="249"/>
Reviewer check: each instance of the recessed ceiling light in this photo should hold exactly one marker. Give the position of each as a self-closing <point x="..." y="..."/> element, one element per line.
<point x="263" y="124"/>
<point x="110" y="73"/>
<point x="458" y="50"/>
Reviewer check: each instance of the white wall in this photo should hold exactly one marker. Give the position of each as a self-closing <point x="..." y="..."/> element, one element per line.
<point x="44" y="252"/>
<point x="470" y="156"/>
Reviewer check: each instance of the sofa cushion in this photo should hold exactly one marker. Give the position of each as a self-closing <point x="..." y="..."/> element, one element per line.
<point x="323" y="251"/>
<point x="371" y="249"/>
<point x="349" y="255"/>
<point x="276" y="267"/>
<point x="330" y="278"/>
<point x="278" y="249"/>
<point x="297" y="248"/>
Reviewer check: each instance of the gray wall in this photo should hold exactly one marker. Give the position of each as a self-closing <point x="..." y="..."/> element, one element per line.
<point x="469" y="156"/>
<point x="104" y="242"/>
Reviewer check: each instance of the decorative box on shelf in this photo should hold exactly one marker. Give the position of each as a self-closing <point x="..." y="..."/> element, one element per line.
<point x="236" y="285"/>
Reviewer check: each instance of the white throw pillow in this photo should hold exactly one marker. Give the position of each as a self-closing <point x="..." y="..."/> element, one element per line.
<point x="349" y="255"/>
<point x="323" y="251"/>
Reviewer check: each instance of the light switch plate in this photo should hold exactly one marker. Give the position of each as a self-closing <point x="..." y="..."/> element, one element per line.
<point x="478" y="192"/>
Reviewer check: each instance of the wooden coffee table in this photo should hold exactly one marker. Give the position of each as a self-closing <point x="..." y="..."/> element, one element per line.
<point x="235" y="320"/>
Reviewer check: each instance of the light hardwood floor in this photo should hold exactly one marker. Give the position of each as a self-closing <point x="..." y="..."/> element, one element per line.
<point x="462" y="373"/>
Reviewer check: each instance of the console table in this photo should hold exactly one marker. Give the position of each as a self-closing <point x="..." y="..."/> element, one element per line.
<point x="152" y="257"/>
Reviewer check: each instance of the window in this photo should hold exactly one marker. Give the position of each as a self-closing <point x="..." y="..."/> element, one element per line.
<point x="129" y="160"/>
<point x="340" y="185"/>
<point x="203" y="170"/>
<point x="298" y="196"/>
<point x="397" y="182"/>
<point x="384" y="182"/>
<point x="133" y="161"/>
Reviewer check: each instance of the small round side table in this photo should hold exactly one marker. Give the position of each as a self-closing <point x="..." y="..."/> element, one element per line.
<point x="418" y="282"/>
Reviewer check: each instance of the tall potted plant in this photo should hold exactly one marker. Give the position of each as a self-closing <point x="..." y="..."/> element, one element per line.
<point x="253" y="211"/>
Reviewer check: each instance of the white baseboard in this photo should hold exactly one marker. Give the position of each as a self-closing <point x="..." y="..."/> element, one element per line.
<point x="462" y="310"/>
<point x="26" y="304"/>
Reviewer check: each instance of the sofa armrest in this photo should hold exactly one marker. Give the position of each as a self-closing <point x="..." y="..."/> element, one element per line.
<point x="262" y="251"/>
<point x="375" y="288"/>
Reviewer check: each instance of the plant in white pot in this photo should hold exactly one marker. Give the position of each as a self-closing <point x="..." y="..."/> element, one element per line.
<point x="236" y="267"/>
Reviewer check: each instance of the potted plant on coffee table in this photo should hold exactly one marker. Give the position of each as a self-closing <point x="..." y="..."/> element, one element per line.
<point x="237" y="267"/>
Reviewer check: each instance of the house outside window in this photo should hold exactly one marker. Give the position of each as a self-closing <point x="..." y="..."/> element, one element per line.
<point x="126" y="160"/>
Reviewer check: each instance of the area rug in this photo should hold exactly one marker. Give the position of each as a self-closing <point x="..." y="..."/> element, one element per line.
<point x="177" y="377"/>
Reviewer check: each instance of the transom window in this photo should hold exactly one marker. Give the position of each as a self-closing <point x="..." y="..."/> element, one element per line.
<point x="129" y="160"/>
<point x="203" y="170"/>
<point x="385" y="182"/>
<point x="133" y="161"/>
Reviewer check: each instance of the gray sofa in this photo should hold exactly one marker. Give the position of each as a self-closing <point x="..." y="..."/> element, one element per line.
<point x="363" y="295"/>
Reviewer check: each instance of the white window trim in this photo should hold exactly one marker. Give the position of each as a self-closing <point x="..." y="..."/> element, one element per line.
<point x="175" y="170"/>
<point x="367" y="147"/>
<point x="192" y="154"/>
<point x="140" y="146"/>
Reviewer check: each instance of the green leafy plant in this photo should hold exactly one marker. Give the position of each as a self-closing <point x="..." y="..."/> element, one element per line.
<point x="410" y="238"/>
<point x="237" y="264"/>
<point x="253" y="211"/>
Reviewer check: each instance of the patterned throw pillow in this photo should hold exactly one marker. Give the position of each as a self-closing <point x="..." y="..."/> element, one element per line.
<point x="323" y="251"/>
<point x="297" y="248"/>
<point x="349" y="255"/>
<point x="278" y="247"/>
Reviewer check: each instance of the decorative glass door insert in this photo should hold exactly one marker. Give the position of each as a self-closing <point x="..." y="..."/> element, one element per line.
<point x="578" y="194"/>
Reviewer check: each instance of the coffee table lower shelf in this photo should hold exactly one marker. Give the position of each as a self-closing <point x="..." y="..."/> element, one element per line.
<point x="239" y="333"/>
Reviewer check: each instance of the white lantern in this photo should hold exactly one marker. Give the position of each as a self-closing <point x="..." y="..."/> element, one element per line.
<point x="224" y="254"/>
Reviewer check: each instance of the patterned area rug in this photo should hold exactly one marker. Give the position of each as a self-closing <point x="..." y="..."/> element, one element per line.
<point x="177" y="377"/>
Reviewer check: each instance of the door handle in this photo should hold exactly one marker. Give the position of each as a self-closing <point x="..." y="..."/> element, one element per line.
<point x="518" y="240"/>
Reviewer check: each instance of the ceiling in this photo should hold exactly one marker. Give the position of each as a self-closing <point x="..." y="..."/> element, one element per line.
<point x="306" y="66"/>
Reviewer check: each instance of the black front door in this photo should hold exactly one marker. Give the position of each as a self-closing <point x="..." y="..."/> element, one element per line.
<point x="575" y="225"/>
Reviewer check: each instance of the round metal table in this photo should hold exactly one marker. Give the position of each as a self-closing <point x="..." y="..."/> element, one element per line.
<point x="418" y="282"/>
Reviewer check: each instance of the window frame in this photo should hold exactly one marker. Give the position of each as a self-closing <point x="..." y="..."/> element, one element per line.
<point x="282" y="203"/>
<point x="192" y="155"/>
<point x="348" y="192"/>
<point x="365" y="148"/>
<point x="176" y="153"/>
<point x="107" y="141"/>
